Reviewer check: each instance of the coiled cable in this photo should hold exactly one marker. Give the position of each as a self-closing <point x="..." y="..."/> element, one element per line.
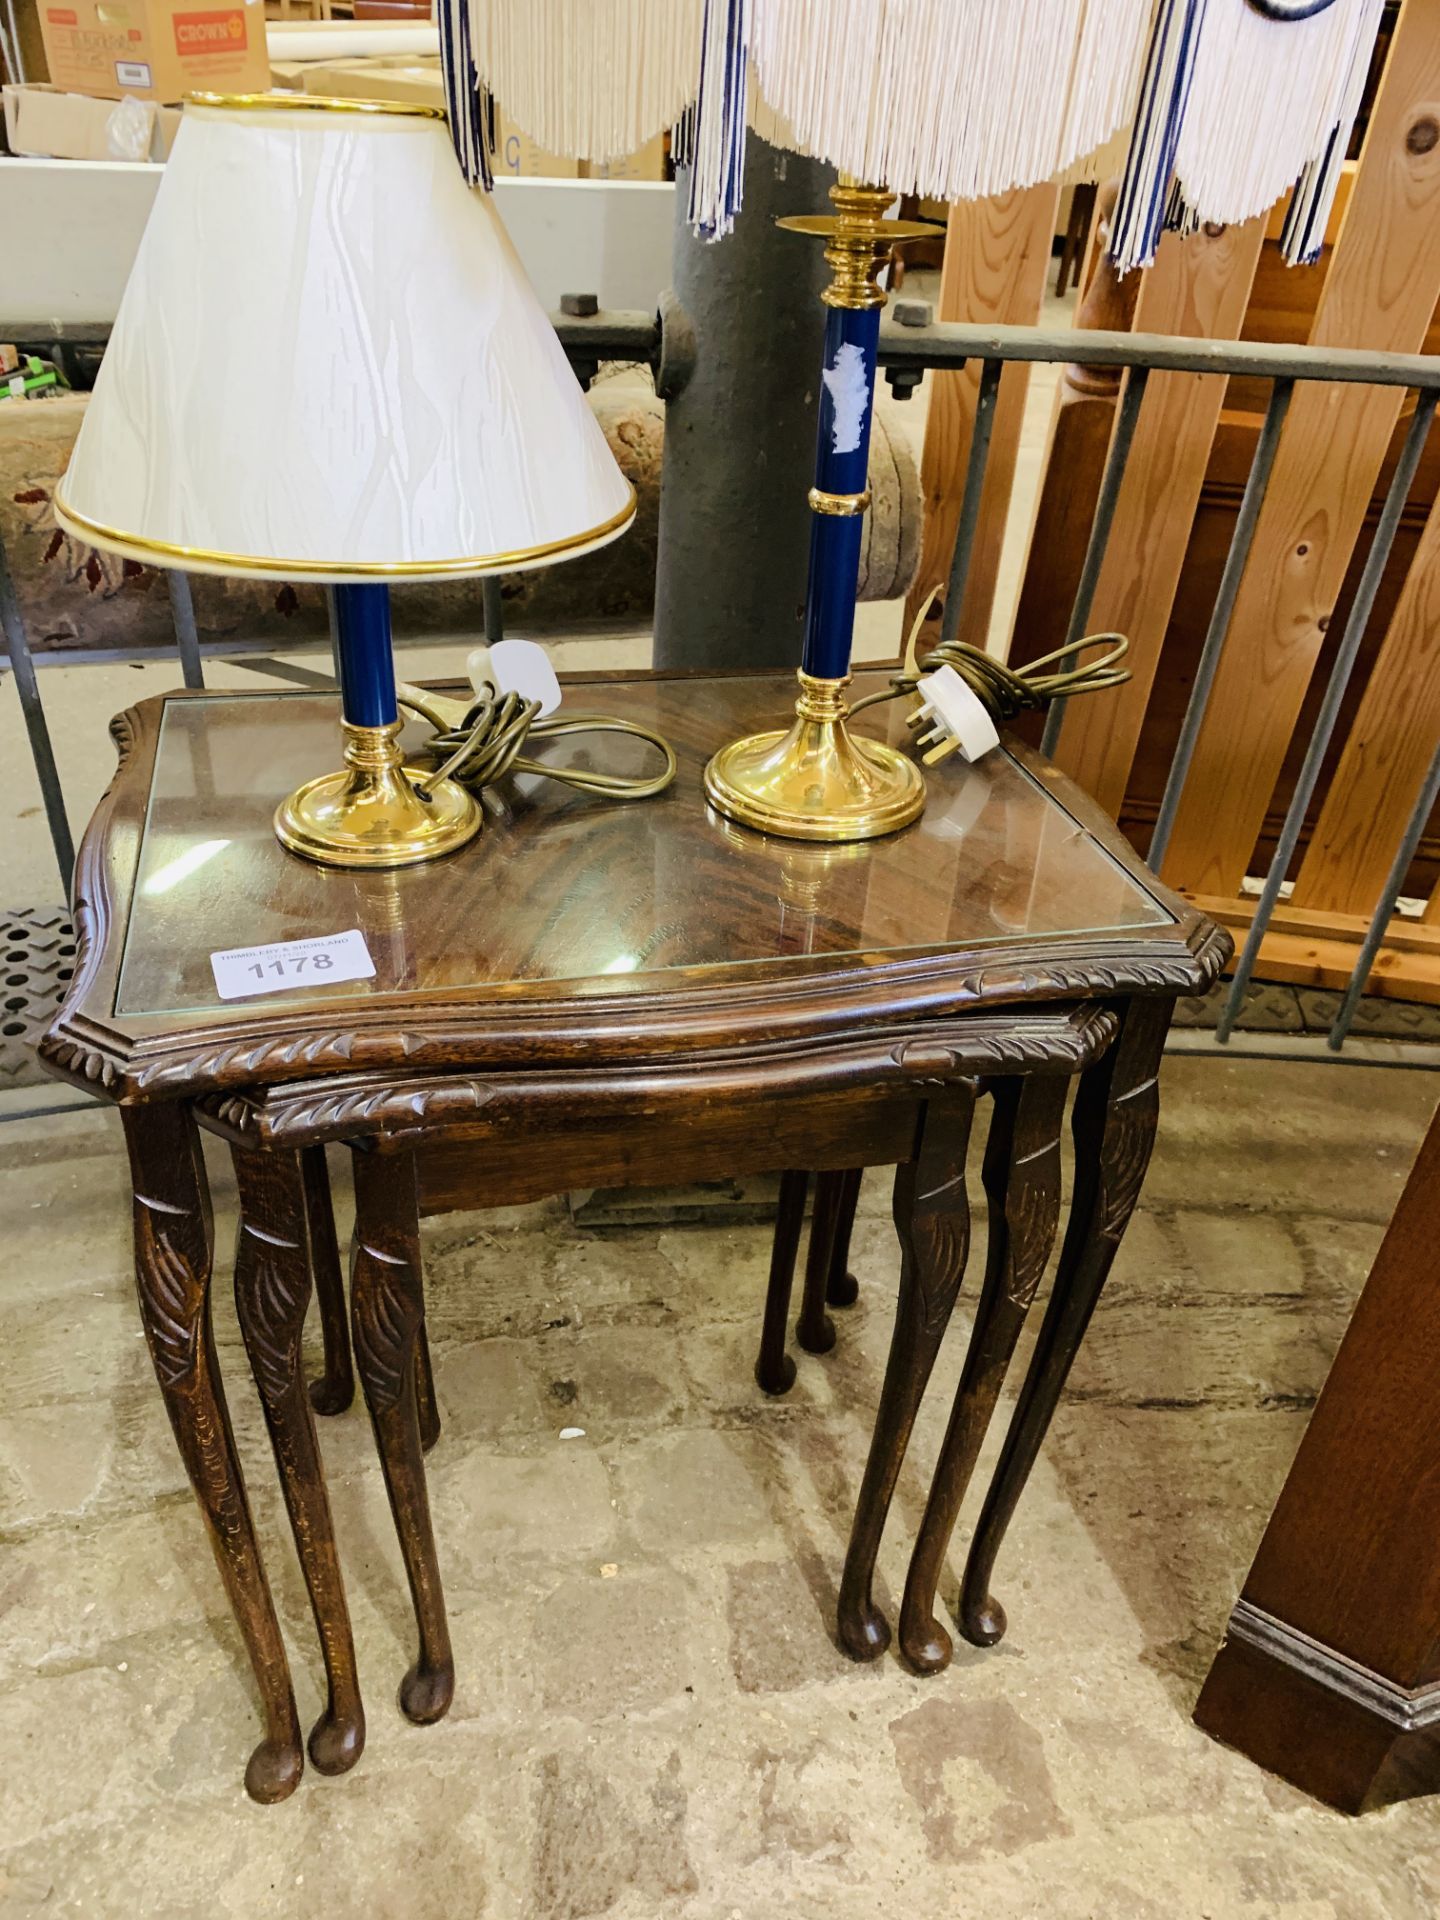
<point x="1006" y="692"/>
<point x="480" y="743"/>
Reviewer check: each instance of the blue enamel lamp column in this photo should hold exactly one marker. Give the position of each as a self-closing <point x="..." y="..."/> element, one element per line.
<point x="818" y="781"/>
<point x="375" y="812"/>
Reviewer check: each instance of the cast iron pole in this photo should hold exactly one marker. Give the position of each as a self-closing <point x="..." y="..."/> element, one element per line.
<point x="740" y="436"/>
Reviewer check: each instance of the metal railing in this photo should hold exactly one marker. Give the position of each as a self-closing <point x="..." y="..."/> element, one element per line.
<point x="589" y="339"/>
<point x="1283" y="366"/>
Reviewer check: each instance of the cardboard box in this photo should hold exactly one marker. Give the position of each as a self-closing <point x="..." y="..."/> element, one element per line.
<point x="155" y="49"/>
<point x="646" y="163"/>
<point x="415" y="81"/>
<point x="516" y="154"/>
<point x="51" y="125"/>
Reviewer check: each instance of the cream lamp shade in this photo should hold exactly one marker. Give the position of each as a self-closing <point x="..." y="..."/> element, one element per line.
<point x="328" y="363"/>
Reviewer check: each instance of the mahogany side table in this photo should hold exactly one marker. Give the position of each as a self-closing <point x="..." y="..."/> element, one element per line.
<point x="616" y="992"/>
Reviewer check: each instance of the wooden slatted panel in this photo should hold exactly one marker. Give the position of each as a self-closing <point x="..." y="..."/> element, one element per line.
<point x="1322" y="953"/>
<point x="997" y="254"/>
<point x="1081" y="422"/>
<point x="1381" y="290"/>
<point x="1387" y="752"/>
<point x="1199" y="287"/>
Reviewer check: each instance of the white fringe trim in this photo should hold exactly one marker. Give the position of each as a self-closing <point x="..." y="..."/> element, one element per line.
<point x="717" y="141"/>
<point x="950" y="98"/>
<point x="594" y="79"/>
<point x="1266" y="98"/>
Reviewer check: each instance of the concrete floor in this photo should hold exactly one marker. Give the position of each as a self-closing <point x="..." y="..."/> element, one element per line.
<point x="651" y="1717"/>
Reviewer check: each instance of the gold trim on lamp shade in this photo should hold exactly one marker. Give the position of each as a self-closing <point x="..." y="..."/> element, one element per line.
<point x="203" y="559"/>
<point x="305" y="102"/>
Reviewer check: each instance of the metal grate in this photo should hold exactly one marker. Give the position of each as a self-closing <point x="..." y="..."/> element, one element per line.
<point x="37" y="958"/>
<point x="1269" y="1007"/>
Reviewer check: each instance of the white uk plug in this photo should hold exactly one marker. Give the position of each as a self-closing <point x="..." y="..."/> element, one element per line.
<point x="956" y="719"/>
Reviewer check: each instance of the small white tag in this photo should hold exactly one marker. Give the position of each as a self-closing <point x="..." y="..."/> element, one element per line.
<point x="17" y="386"/>
<point x="132" y="73"/>
<point x="286" y="964"/>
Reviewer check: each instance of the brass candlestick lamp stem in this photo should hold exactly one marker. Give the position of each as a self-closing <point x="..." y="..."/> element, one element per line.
<point x="818" y="781"/>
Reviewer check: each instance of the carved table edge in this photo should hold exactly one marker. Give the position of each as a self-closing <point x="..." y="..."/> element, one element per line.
<point x="131" y="1062"/>
<point x="132" y="1068"/>
<point x="920" y="1055"/>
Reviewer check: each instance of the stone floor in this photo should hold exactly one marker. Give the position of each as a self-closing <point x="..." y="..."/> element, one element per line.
<point x="651" y="1717"/>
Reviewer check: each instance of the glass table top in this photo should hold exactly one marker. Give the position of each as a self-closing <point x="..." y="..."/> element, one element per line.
<point x="563" y="887"/>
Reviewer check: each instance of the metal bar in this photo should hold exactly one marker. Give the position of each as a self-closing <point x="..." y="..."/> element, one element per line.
<point x="31" y="707"/>
<point x="630" y="334"/>
<point x="494" y="609"/>
<point x="1385" y="906"/>
<point x="1340" y="672"/>
<point x="332" y="625"/>
<point x="1110" y="483"/>
<point x="1219" y="627"/>
<point x="1199" y="1044"/>
<point x="187" y="638"/>
<point x="239" y="647"/>
<point x="624" y="334"/>
<point x="298" y="676"/>
<point x="952" y="343"/>
<point x="8" y="1114"/>
<point x="733" y="536"/>
<point x="980" y="431"/>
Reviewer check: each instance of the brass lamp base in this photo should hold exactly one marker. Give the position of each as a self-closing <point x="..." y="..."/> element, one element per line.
<point x="372" y="813"/>
<point x="818" y="781"/>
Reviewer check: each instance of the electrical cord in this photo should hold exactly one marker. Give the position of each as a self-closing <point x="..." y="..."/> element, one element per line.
<point x="1006" y="692"/>
<point x="480" y="743"/>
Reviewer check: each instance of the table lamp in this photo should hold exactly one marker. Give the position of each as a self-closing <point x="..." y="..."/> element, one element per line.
<point x="818" y="781"/>
<point x="328" y="365"/>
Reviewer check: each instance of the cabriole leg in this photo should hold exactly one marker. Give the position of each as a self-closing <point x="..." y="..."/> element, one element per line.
<point x="1022" y="1187"/>
<point x="774" y="1368"/>
<point x="842" y="1288"/>
<point x="272" y="1293"/>
<point x="815" y="1330"/>
<point x="1113" y="1125"/>
<point x="932" y="1218"/>
<point x="335" y="1389"/>
<point x="173" y="1267"/>
<point x="388" y="1307"/>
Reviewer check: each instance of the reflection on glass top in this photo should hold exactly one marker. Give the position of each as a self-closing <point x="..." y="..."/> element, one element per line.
<point x="561" y="886"/>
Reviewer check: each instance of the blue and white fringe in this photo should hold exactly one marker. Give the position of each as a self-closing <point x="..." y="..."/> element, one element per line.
<point x="714" y="140"/>
<point x="1140" y="208"/>
<point x="1308" y="215"/>
<point x="469" y="112"/>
